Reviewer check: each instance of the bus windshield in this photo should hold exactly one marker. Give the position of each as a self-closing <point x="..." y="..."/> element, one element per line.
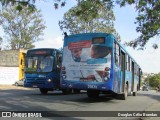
<point x="39" y="64"/>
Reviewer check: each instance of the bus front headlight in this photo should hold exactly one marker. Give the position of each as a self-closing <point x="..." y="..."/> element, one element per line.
<point x="49" y="80"/>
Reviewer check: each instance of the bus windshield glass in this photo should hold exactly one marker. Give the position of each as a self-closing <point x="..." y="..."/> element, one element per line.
<point x="39" y="64"/>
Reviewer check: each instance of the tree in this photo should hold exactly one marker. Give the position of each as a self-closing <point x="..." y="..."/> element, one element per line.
<point x="21" y="28"/>
<point x="86" y="23"/>
<point x="153" y="80"/>
<point x="148" y="15"/>
<point x="148" y="20"/>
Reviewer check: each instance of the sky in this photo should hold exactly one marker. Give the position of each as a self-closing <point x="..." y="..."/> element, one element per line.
<point x="148" y="59"/>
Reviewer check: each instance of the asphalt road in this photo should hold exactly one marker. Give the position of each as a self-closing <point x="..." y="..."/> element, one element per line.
<point x="22" y="99"/>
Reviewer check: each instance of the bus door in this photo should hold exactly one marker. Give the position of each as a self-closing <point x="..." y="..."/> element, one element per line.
<point x="132" y="88"/>
<point x="140" y="74"/>
<point x="123" y="69"/>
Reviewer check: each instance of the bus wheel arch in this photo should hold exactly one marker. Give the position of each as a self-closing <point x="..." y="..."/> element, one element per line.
<point x="124" y="95"/>
<point x="66" y="91"/>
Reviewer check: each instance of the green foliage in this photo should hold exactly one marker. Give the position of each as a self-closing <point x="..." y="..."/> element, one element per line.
<point x="148" y="14"/>
<point x="90" y="9"/>
<point x="0" y="40"/>
<point x="75" y="22"/>
<point x="153" y="80"/>
<point x="91" y="6"/>
<point x="21" y="28"/>
<point x="148" y="20"/>
<point x="58" y="3"/>
<point x="19" y="4"/>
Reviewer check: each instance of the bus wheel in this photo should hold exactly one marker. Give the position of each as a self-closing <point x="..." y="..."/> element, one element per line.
<point x="76" y="91"/>
<point x="114" y="95"/>
<point x="92" y="93"/>
<point x="66" y="91"/>
<point x="124" y="95"/>
<point x="134" y="93"/>
<point x="43" y="91"/>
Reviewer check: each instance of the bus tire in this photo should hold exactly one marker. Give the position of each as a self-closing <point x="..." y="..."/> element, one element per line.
<point x="134" y="93"/>
<point x="66" y="91"/>
<point x="92" y="93"/>
<point x="16" y="84"/>
<point x="76" y="91"/>
<point x="43" y="91"/>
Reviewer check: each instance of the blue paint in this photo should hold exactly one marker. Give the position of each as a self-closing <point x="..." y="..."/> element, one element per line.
<point x="97" y="61"/>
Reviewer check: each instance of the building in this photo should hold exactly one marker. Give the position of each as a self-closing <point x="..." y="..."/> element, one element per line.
<point x="11" y="65"/>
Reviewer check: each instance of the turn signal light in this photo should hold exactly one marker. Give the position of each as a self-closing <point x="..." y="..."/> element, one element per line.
<point x="63" y="68"/>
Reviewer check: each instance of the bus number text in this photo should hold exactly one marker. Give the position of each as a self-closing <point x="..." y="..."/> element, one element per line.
<point x="92" y="86"/>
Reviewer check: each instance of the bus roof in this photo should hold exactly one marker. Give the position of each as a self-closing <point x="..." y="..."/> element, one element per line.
<point x="44" y="49"/>
<point x="88" y="34"/>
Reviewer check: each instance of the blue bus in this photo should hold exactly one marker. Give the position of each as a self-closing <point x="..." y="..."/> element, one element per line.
<point x="99" y="64"/>
<point x="42" y="69"/>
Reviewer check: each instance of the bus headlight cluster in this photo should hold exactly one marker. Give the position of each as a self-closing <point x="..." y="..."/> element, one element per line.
<point x="106" y="75"/>
<point x="63" y="72"/>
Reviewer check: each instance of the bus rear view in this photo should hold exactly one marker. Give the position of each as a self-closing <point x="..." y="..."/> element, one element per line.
<point x="98" y="63"/>
<point x="87" y="63"/>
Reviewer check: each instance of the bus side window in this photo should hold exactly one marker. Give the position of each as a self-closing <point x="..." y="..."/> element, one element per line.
<point x="136" y="70"/>
<point x="117" y="54"/>
<point x="128" y="63"/>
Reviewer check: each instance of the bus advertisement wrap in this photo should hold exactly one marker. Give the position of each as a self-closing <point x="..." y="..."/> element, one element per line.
<point x="87" y="62"/>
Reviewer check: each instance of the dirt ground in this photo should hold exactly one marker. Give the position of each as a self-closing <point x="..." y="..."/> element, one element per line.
<point x="6" y="87"/>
